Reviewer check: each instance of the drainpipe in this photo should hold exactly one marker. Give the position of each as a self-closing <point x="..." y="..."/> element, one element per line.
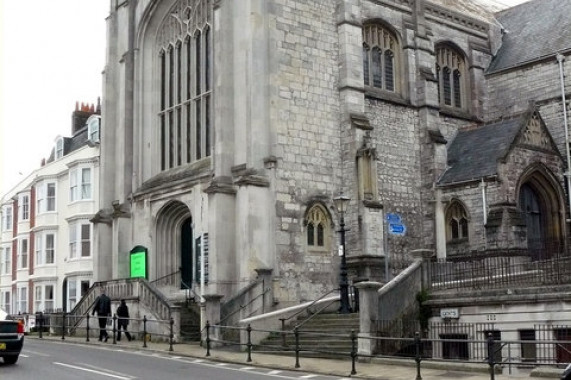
<point x="484" y="202"/>
<point x="560" y="59"/>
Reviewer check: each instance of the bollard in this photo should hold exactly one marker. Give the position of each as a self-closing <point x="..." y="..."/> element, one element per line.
<point x="63" y="327"/>
<point x="249" y="345"/>
<point x="207" y="338"/>
<point x="296" y="334"/>
<point x="41" y="323"/>
<point x="171" y="335"/>
<point x="114" y="329"/>
<point x="353" y="352"/>
<point x="491" y="356"/>
<point x="144" y="331"/>
<point x="87" y="328"/>
<point x="418" y="357"/>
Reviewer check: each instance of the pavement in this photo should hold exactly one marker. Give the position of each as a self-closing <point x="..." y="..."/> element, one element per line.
<point x="376" y="368"/>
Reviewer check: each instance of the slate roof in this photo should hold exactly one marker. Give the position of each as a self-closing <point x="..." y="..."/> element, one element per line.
<point x="535" y="29"/>
<point x="71" y="144"/>
<point x="474" y="153"/>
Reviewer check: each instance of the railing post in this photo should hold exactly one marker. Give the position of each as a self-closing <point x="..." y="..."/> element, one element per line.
<point x="249" y="345"/>
<point x="207" y="338"/>
<point x="63" y="326"/>
<point x="144" y="331"/>
<point x="296" y="334"/>
<point x="41" y="323"/>
<point x="114" y="329"/>
<point x="283" y="332"/>
<point x="353" y="352"/>
<point x="418" y="356"/>
<point x="87" y="328"/>
<point x="171" y="336"/>
<point x="491" y="356"/>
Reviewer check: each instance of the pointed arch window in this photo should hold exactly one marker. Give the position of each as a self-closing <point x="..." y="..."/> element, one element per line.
<point x="451" y="77"/>
<point x="379" y="52"/>
<point x="317" y="231"/>
<point x="456" y="222"/>
<point x="184" y="60"/>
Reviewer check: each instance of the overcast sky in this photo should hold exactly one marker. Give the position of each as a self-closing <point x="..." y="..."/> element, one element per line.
<point x="52" y="54"/>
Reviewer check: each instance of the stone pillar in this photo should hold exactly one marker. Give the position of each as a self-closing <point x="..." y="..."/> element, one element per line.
<point x="368" y="312"/>
<point x="211" y="313"/>
<point x="425" y="255"/>
<point x="440" y="226"/>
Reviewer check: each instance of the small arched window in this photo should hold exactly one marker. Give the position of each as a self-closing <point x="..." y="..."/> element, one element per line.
<point x="456" y="222"/>
<point x="379" y="49"/>
<point x="317" y="230"/>
<point x="450" y="74"/>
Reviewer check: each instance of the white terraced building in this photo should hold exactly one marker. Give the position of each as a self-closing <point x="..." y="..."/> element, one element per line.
<point x="46" y="238"/>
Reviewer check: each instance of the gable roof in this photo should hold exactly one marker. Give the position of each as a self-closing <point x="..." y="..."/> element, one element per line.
<point x="534" y="30"/>
<point x="474" y="153"/>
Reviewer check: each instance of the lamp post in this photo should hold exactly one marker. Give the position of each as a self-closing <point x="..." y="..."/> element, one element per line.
<point x="341" y="203"/>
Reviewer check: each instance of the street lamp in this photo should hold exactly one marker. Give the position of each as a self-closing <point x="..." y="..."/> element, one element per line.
<point x="341" y="202"/>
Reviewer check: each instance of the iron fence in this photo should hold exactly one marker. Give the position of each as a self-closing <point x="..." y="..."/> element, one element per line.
<point x="498" y="272"/>
<point x="64" y="324"/>
<point x="539" y="344"/>
<point x="477" y="344"/>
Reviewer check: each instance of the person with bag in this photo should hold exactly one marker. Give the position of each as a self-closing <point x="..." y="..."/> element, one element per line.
<point x="123" y="320"/>
<point x="102" y="307"/>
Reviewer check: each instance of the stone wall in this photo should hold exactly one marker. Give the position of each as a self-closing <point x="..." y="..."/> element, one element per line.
<point x="306" y="99"/>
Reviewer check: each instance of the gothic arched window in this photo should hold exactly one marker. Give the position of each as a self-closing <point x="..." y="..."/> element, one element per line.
<point x="184" y="56"/>
<point x="456" y="222"/>
<point x="379" y="52"/>
<point x="317" y="230"/>
<point x="451" y="76"/>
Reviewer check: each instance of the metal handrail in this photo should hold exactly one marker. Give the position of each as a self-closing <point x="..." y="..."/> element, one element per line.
<point x="165" y="277"/>
<point x="310" y="305"/>
<point x="244" y="306"/>
<point x="297" y="327"/>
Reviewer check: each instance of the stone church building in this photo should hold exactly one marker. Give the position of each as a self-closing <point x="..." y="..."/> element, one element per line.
<point x="230" y="126"/>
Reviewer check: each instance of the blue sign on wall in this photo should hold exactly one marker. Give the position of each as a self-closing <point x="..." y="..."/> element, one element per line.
<point x="397" y="229"/>
<point x="393" y="218"/>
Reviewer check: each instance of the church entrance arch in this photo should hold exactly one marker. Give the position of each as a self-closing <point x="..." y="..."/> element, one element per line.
<point x="540" y="202"/>
<point x="174" y="245"/>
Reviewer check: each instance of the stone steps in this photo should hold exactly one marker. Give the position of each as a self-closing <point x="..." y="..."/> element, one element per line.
<point x="323" y="334"/>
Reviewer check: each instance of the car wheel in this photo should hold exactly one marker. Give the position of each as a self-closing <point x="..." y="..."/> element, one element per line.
<point x="10" y="359"/>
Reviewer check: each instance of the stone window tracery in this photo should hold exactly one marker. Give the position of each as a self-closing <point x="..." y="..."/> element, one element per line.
<point x="379" y="53"/>
<point x="184" y="60"/>
<point x="456" y="222"/>
<point x="317" y="228"/>
<point x="450" y="74"/>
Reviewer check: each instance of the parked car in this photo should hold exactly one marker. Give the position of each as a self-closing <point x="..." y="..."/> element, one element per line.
<point x="567" y="373"/>
<point x="11" y="339"/>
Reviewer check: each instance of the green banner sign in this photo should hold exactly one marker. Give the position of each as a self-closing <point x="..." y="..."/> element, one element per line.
<point x="138" y="261"/>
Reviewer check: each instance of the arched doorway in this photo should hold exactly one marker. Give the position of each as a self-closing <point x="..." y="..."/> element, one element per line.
<point x="186" y="253"/>
<point x="174" y="246"/>
<point x="530" y="207"/>
<point x="540" y="203"/>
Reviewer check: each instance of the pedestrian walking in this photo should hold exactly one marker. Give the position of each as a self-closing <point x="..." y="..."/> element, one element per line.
<point x="102" y="307"/>
<point x="123" y="320"/>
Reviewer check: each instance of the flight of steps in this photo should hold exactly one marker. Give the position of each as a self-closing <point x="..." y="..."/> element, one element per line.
<point x="189" y="322"/>
<point x="324" y="335"/>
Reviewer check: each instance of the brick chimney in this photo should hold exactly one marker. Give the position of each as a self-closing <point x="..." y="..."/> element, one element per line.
<point x="81" y="114"/>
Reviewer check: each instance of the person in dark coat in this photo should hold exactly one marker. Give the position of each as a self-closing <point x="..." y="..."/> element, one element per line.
<point x="102" y="307"/>
<point x="123" y="320"/>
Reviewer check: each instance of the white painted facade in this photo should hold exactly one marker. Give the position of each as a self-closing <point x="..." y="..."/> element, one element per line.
<point x="46" y="251"/>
